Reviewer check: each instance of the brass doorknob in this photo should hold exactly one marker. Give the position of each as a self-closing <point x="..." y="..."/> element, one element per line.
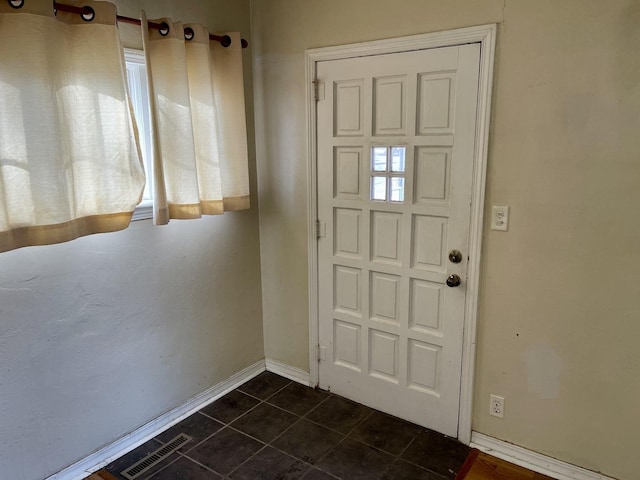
<point x="453" y="280"/>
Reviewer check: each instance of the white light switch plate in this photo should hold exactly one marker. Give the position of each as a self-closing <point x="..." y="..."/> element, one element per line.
<point x="500" y="218"/>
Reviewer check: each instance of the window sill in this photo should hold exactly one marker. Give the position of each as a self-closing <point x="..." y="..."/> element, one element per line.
<point x="144" y="211"/>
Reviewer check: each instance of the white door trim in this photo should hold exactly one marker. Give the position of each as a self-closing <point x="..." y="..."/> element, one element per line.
<point x="485" y="35"/>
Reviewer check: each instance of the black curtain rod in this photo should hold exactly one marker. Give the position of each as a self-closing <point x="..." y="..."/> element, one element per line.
<point x="88" y="13"/>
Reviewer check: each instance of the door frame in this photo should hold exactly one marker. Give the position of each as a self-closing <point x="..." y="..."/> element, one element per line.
<point x="485" y="35"/>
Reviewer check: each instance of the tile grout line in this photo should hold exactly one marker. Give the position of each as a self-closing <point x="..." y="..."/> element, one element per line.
<point x="204" y="439"/>
<point x="364" y="420"/>
<point x="345" y="436"/>
<point x="348" y="436"/>
<point x="300" y="419"/>
<point x="442" y="477"/>
<point x="285" y="430"/>
<point x="305" y="417"/>
<point x="249" y="458"/>
<point x="185" y="454"/>
<point x="329" y="395"/>
<point x="224" y="425"/>
<point x="239" y="389"/>
<point x="158" y="471"/>
<point x="329" y="428"/>
<point x="265" y="444"/>
<point x="228" y="424"/>
<point x="297" y="420"/>
<point x="270" y="443"/>
<point x="186" y="457"/>
<point x="400" y="454"/>
<point x="428" y="470"/>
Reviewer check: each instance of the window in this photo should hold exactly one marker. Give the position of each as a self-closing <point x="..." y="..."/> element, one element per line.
<point x="388" y="173"/>
<point x="137" y="80"/>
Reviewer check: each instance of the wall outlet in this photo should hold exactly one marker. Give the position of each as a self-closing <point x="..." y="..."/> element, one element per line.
<point x="500" y="217"/>
<point x="496" y="406"/>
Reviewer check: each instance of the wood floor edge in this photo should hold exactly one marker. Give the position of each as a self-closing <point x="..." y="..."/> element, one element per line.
<point x="468" y="463"/>
<point x="483" y="466"/>
<point x="101" y="475"/>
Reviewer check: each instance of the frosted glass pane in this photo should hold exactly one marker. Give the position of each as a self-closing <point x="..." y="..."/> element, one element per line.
<point x="397" y="189"/>
<point x="379" y="159"/>
<point x="379" y="188"/>
<point x="397" y="159"/>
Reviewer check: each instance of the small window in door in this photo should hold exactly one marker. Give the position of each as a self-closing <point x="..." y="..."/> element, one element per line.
<point x="387" y="173"/>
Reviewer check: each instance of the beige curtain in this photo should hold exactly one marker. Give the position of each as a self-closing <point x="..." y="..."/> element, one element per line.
<point x="69" y="160"/>
<point x="198" y="122"/>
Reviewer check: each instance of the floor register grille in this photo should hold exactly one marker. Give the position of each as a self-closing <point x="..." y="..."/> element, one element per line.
<point x="140" y="467"/>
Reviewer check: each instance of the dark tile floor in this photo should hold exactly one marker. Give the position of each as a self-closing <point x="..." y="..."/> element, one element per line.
<point x="272" y="428"/>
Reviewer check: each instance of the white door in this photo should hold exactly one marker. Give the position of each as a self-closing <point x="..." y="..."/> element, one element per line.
<point x="395" y="165"/>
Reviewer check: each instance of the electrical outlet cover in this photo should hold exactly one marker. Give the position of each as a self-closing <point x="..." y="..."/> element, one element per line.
<point x="496" y="406"/>
<point x="500" y="218"/>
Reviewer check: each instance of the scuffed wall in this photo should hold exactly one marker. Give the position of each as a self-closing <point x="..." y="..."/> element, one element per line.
<point x="100" y="335"/>
<point x="559" y="300"/>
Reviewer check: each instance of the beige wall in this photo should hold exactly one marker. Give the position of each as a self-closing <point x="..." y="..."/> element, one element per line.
<point x="560" y="299"/>
<point x="100" y="335"/>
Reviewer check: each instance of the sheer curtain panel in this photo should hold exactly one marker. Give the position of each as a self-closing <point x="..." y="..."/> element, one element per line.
<point x="69" y="157"/>
<point x="198" y="122"/>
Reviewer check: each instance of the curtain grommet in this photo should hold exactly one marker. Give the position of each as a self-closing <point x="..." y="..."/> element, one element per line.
<point x="88" y="14"/>
<point x="16" y="3"/>
<point x="226" y="41"/>
<point x="164" y="29"/>
<point x="189" y="34"/>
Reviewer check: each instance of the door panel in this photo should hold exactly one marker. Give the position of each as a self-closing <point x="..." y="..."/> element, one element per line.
<point x="395" y="157"/>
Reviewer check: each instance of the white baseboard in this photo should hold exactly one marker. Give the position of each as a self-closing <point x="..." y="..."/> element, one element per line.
<point x="106" y="455"/>
<point x="532" y="460"/>
<point x="287" y="371"/>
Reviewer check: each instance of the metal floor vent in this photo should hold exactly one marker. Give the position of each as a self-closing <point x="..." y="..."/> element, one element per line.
<point x="138" y="468"/>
